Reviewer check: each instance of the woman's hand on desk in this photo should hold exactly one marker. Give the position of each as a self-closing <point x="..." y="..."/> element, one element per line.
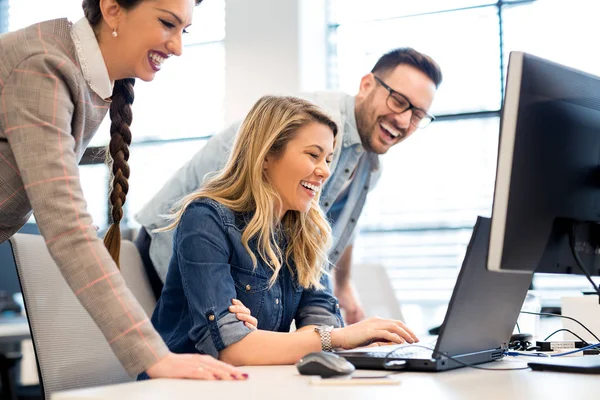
<point x="243" y="314"/>
<point x="372" y="330"/>
<point x="194" y="366"/>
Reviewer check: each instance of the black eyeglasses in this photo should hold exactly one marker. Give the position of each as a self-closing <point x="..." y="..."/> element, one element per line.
<point x="399" y="104"/>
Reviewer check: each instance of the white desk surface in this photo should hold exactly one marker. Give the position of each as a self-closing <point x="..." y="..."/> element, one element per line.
<point x="285" y="383"/>
<point x="14" y="329"/>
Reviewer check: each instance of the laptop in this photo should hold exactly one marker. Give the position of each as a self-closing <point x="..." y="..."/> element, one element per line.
<point x="481" y="316"/>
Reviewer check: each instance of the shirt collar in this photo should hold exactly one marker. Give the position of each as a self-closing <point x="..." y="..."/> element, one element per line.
<point x="90" y="57"/>
<point x="351" y="135"/>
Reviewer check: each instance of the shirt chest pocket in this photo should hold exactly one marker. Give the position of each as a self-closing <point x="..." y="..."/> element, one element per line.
<point x="253" y="290"/>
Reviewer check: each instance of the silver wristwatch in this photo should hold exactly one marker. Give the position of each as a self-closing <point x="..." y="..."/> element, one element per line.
<point x="324" y="332"/>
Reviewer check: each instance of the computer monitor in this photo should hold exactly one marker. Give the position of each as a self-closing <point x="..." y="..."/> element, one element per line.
<point x="547" y="179"/>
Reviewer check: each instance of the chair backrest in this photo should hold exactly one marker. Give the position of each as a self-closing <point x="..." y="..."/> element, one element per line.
<point x="376" y="293"/>
<point x="70" y="349"/>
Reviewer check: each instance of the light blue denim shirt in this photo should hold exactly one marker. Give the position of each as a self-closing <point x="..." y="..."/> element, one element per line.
<point x="348" y="155"/>
<point x="209" y="267"/>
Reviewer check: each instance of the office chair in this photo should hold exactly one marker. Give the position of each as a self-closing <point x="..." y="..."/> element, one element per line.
<point x="16" y="365"/>
<point x="70" y="349"/>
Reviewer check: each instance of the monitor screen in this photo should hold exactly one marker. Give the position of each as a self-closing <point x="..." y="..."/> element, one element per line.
<point x="547" y="192"/>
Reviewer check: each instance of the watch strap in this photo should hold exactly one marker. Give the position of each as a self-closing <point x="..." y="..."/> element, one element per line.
<point x="324" y="332"/>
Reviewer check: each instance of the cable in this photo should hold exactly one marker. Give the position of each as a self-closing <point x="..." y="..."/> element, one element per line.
<point x="543" y="354"/>
<point x="591" y="346"/>
<point x="562" y="316"/>
<point x="566" y="330"/>
<point x="518" y="327"/>
<point x="572" y="240"/>
<point x="435" y="352"/>
<point x="527" y="353"/>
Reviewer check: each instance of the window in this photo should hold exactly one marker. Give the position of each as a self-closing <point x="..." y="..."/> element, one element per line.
<point x="418" y="221"/>
<point x="22" y="13"/>
<point x="473" y="75"/>
<point x="559" y="30"/>
<point x="152" y="165"/>
<point x="172" y="116"/>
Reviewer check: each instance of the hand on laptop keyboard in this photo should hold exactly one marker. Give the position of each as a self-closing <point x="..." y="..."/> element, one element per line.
<point x="379" y="344"/>
<point x="372" y="330"/>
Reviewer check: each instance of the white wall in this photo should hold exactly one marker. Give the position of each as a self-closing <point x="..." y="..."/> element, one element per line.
<point x="272" y="47"/>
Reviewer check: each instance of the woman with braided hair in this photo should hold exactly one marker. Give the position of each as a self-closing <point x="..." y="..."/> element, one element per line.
<point x="57" y="82"/>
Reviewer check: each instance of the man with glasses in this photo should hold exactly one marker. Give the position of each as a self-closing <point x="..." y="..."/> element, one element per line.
<point x="391" y="104"/>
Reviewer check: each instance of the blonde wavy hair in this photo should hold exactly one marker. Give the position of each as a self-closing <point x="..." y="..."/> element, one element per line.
<point x="243" y="187"/>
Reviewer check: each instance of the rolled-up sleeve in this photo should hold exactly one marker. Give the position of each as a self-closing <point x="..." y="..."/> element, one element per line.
<point x="318" y="307"/>
<point x="203" y="251"/>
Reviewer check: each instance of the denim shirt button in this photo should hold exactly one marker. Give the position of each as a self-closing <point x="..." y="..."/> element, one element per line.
<point x="248" y="287"/>
<point x="326" y="204"/>
<point x="211" y="317"/>
<point x="337" y="306"/>
<point x="277" y="301"/>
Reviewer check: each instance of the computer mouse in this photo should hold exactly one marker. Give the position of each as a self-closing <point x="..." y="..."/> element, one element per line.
<point x="324" y="364"/>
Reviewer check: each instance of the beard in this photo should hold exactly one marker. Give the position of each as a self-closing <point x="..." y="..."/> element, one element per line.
<point x="366" y="122"/>
<point x="369" y="129"/>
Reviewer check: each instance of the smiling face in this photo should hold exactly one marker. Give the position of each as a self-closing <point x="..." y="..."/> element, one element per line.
<point x="378" y="126"/>
<point x="300" y="172"/>
<point x="147" y="34"/>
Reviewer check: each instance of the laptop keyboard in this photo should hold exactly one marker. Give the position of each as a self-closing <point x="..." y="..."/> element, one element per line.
<point x="403" y="351"/>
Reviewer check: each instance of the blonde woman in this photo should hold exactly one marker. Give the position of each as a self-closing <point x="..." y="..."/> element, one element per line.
<point x="255" y="232"/>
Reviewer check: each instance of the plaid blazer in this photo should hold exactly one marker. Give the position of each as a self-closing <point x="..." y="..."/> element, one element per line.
<point x="48" y="115"/>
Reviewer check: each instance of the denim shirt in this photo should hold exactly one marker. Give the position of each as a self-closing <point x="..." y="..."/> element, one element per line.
<point x="209" y="267"/>
<point x="348" y="155"/>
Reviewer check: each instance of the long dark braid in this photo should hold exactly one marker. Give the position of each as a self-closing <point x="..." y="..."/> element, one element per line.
<point x="118" y="148"/>
<point x="120" y="135"/>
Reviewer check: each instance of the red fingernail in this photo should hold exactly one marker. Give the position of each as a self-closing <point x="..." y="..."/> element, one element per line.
<point x="245" y="376"/>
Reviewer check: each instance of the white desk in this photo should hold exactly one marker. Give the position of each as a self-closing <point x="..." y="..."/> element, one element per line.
<point x="14" y="329"/>
<point x="14" y="336"/>
<point x="286" y="383"/>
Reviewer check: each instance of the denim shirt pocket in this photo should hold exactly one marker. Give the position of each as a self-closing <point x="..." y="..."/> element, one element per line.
<point x="251" y="288"/>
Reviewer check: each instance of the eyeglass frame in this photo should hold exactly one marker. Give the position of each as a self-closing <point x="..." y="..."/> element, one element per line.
<point x="411" y="106"/>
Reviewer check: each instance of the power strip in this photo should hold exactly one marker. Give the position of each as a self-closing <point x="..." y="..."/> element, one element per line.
<point x="560" y="345"/>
